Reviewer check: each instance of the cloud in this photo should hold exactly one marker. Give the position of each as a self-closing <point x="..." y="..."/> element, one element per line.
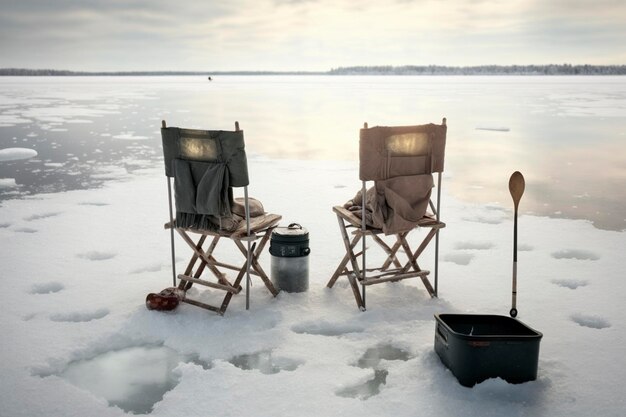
<point x="305" y="34"/>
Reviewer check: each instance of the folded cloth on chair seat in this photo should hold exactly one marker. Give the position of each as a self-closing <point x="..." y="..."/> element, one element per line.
<point x="239" y="207"/>
<point x="394" y="205"/>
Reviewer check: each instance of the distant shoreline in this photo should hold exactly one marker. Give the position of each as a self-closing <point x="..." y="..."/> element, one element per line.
<point x="541" y="70"/>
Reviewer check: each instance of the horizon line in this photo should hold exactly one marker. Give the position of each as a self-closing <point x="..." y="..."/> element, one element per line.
<point x="487" y="69"/>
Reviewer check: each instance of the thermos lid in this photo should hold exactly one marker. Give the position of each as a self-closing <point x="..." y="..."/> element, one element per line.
<point x="293" y="232"/>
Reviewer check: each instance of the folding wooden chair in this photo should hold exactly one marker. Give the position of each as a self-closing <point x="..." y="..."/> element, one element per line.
<point x="205" y="165"/>
<point x="400" y="160"/>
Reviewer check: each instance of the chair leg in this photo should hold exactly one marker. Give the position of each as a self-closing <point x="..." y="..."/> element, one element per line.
<point x="412" y="262"/>
<point x="183" y="285"/>
<point x="228" y="296"/>
<point x="256" y="266"/>
<point x="342" y="265"/>
<point x="355" y="274"/>
<point x="356" y="291"/>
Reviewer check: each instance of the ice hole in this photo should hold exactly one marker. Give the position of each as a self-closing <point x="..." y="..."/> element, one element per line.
<point x="134" y="378"/>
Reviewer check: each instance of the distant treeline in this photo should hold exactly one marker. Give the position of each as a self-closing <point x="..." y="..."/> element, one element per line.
<point x="51" y="72"/>
<point x="552" y="69"/>
<point x="562" y="69"/>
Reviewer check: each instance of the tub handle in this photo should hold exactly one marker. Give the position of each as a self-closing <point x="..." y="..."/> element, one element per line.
<point x="442" y="335"/>
<point x="294" y="226"/>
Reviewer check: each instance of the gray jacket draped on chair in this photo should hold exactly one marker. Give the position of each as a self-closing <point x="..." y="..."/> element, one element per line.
<point x="205" y="166"/>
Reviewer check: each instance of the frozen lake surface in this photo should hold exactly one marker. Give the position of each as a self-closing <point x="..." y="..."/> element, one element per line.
<point x="81" y="231"/>
<point x="567" y="134"/>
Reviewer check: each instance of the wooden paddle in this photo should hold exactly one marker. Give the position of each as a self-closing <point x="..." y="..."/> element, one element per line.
<point x="516" y="188"/>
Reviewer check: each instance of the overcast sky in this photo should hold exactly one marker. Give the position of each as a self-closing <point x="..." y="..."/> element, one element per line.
<point x="152" y="35"/>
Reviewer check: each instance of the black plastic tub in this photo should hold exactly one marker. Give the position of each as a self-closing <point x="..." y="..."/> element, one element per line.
<point x="478" y="346"/>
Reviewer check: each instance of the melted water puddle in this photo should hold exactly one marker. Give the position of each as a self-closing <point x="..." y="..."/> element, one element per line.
<point x="264" y="362"/>
<point x="134" y="379"/>
<point x="371" y="359"/>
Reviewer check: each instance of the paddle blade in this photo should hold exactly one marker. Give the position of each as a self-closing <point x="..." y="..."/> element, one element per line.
<point x="516" y="186"/>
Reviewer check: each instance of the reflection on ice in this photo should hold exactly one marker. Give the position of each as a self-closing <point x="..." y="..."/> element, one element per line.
<point x="565" y="134"/>
<point x="133" y="379"/>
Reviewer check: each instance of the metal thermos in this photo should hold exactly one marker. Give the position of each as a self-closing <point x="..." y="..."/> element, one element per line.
<point x="289" y="247"/>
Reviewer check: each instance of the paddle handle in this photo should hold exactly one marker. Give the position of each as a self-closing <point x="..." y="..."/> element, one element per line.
<point x="515" y="236"/>
<point x="516" y="188"/>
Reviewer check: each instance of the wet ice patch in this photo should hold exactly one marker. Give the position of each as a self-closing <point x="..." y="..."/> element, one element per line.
<point x="594" y="322"/>
<point x="26" y="230"/>
<point x="8" y="120"/>
<point x="473" y="245"/>
<point x="494" y="128"/>
<point x="129" y="136"/>
<point x="264" y="362"/>
<point x="459" y="258"/>
<point x="156" y="267"/>
<point x="41" y="216"/>
<point x="324" y="328"/>
<point x="374" y="358"/>
<point x="482" y="219"/>
<point x="133" y="379"/>
<point x="46" y="287"/>
<point x="572" y="284"/>
<point x="80" y="316"/>
<point x="367" y="389"/>
<point x="96" y="255"/>
<point x="580" y="254"/>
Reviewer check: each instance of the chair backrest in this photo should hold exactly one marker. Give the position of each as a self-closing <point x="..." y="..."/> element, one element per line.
<point x="388" y="152"/>
<point x="218" y="146"/>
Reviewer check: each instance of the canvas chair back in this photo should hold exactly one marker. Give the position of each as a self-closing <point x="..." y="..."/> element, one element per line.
<point x="205" y="164"/>
<point x="401" y="160"/>
<point x="388" y="152"/>
<point x="214" y="146"/>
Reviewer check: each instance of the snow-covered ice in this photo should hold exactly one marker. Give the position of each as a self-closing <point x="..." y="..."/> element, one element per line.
<point x="78" y="340"/>
<point x="13" y="154"/>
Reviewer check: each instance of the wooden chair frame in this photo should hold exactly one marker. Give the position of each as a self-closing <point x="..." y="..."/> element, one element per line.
<point x="203" y="259"/>
<point x="392" y="269"/>
<point x="255" y="232"/>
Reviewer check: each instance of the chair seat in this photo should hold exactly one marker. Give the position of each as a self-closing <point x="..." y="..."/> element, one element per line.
<point x="427" y="221"/>
<point x="257" y="224"/>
